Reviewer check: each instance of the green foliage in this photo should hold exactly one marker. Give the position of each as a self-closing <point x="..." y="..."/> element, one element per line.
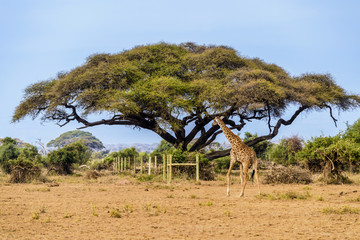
<point x="179" y="156"/>
<point x="222" y="163"/>
<point x="352" y="132"/>
<point x="164" y="147"/>
<point x="284" y="152"/>
<point x="333" y="155"/>
<point x="9" y="141"/>
<point x="8" y="151"/>
<point x="74" y="136"/>
<point x="31" y="153"/>
<point x="61" y="161"/>
<point x="21" y="162"/>
<point x="128" y="152"/>
<point x="166" y="88"/>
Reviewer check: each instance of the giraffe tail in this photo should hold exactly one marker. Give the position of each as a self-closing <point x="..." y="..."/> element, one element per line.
<point x="252" y="175"/>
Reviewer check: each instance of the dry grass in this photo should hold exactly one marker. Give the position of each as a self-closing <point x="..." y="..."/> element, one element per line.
<point x="342" y="210"/>
<point x="113" y="207"/>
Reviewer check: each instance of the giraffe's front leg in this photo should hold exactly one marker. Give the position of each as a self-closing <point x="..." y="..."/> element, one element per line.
<point x="241" y="173"/>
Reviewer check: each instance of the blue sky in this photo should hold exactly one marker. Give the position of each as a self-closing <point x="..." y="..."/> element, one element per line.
<point x="40" y="38"/>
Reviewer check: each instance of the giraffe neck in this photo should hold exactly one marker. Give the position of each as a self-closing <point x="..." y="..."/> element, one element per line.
<point x="228" y="133"/>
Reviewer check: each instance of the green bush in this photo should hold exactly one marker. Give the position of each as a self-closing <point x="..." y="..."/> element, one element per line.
<point x="61" y="161"/>
<point x="284" y="152"/>
<point x="332" y="156"/>
<point x="8" y="151"/>
<point x="221" y="164"/>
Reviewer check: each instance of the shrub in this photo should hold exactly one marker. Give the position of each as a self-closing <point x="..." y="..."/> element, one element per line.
<point x="290" y="174"/>
<point x="105" y="164"/>
<point x="61" y="161"/>
<point x="284" y="152"/>
<point x="222" y="163"/>
<point x="21" y="162"/>
<point x="115" y="213"/>
<point x="332" y="156"/>
<point x="23" y="170"/>
<point x="8" y="151"/>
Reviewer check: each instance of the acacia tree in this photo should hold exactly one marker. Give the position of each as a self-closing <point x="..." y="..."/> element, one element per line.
<point x="177" y="90"/>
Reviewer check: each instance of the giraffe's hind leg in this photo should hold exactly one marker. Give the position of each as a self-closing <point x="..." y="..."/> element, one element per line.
<point x="246" y="176"/>
<point x="256" y="175"/>
<point x="241" y="173"/>
<point x="232" y="162"/>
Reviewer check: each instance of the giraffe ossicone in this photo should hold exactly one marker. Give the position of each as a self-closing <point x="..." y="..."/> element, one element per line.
<point x="241" y="153"/>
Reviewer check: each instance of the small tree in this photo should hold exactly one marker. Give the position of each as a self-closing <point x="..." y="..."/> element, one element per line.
<point x="129" y="152"/>
<point x="331" y="155"/>
<point x="163" y="148"/>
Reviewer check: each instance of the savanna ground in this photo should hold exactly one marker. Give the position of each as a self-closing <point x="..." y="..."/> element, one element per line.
<point x="122" y="207"/>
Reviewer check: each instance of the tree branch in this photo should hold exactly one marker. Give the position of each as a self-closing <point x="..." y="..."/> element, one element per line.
<point x="331" y="114"/>
<point x="279" y="123"/>
<point x="271" y="135"/>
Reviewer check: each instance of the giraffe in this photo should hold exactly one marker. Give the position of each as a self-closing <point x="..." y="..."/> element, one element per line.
<point x="241" y="153"/>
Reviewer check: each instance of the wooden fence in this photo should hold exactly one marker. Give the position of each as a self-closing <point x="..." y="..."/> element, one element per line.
<point x="127" y="164"/>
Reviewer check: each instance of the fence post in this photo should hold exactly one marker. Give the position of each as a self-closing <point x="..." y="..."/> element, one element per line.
<point x="114" y="165"/>
<point x="141" y="165"/>
<point x="134" y="164"/>
<point x="149" y="170"/>
<point x="164" y="167"/>
<point x="121" y="164"/>
<point x="155" y="167"/>
<point x="197" y="167"/>
<point x="169" y="168"/>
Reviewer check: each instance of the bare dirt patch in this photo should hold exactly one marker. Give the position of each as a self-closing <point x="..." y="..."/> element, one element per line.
<point x="119" y="208"/>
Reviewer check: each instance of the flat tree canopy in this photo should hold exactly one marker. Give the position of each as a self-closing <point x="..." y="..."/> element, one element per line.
<point x="177" y="90"/>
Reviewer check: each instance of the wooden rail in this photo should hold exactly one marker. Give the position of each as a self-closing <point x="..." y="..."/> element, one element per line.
<point x="170" y="164"/>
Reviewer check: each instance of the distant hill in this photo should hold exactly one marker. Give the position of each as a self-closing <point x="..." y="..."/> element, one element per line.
<point x="140" y="147"/>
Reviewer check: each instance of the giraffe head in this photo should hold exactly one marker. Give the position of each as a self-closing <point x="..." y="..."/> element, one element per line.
<point x="216" y="121"/>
